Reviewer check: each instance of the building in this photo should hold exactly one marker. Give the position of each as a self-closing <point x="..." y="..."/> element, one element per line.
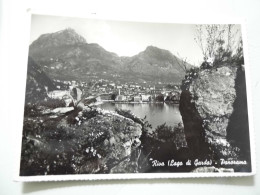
<point x="155" y="91"/>
<point x="58" y="94"/>
<point x="120" y="98"/>
<point x="146" y="98"/>
<point x="137" y="98"/>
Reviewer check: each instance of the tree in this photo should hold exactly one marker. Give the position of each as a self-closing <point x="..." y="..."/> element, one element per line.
<point x="218" y="43"/>
<point x="164" y="132"/>
<point x="113" y="96"/>
<point x="181" y="62"/>
<point x="80" y="103"/>
<point x="159" y="98"/>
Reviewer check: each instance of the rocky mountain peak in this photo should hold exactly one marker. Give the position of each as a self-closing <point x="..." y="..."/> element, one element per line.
<point x="152" y="50"/>
<point x="67" y="36"/>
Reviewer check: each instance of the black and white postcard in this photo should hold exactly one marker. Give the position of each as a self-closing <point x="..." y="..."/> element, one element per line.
<point x="111" y="99"/>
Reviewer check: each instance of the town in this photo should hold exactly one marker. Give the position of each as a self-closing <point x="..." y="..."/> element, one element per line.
<point x="103" y="90"/>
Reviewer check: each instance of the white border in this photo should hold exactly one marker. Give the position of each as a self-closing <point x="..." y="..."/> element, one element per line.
<point x="249" y="97"/>
<point x="126" y="176"/>
<point x="154" y="19"/>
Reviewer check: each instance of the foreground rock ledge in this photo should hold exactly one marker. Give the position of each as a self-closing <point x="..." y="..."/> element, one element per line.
<point x="92" y="141"/>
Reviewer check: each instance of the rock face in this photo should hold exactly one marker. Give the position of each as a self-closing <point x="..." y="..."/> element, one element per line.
<point x="207" y="107"/>
<point x="238" y="128"/>
<point x="214" y="94"/>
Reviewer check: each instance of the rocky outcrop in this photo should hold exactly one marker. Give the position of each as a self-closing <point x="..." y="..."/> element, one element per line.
<point x="214" y="94"/>
<point x="81" y="142"/>
<point x="207" y="107"/>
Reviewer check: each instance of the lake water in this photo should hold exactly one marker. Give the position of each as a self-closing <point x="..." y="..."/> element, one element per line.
<point x="156" y="113"/>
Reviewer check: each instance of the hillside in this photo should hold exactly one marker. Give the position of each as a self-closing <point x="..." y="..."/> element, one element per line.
<point x="37" y="83"/>
<point x="155" y="62"/>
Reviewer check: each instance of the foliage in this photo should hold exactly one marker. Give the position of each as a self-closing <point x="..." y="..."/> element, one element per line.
<point x="53" y="103"/>
<point x="50" y="148"/>
<point x="182" y="63"/>
<point x="220" y="44"/>
<point x="171" y="134"/>
<point x="190" y="75"/>
<point x="92" y="143"/>
<point x="159" y="98"/>
<point x="113" y="96"/>
<point x="164" y="132"/>
<point x="33" y="110"/>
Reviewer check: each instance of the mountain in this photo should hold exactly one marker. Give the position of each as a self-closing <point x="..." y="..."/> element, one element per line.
<point x="157" y="63"/>
<point x="60" y="38"/>
<point x="66" y="55"/>
<point x="37" y="82"/>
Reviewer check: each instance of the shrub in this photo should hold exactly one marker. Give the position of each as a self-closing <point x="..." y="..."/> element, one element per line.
<point x="164" y="132"/>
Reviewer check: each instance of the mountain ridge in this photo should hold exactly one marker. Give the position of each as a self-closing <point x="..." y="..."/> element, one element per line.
<point x="75" y="57"/>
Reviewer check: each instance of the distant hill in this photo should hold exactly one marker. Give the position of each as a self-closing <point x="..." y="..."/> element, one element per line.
<point x="67" y="55"/>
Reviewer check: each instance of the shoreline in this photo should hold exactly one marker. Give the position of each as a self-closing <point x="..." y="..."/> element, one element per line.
<point x="123" y="102"/>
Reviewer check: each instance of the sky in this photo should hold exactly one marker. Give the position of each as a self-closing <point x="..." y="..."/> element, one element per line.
<point x="125" y="38"/>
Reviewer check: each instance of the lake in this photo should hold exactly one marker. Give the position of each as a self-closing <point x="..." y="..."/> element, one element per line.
<point x="156" y="113"/>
